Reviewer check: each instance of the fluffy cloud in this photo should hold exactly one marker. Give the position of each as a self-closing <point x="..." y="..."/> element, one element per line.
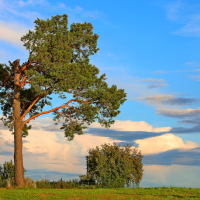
<point x="50" y="150"/>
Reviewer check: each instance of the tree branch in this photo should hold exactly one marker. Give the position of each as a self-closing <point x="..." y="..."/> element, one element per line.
<point x="7" y="78"/>
<point x="53" y="110"/>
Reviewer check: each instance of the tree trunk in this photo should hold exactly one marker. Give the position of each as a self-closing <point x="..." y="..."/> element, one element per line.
<point x="18" y="158"/>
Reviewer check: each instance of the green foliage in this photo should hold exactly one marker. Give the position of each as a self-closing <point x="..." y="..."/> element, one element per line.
<point x="61" y="60"/>
<point x="112" y="166"/>
<point x="8" y="170"/>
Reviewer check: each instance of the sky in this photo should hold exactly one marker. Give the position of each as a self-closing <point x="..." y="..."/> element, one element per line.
<point x="150" y="49"/>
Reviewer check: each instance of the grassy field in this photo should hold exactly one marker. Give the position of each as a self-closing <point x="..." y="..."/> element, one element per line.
<point x="101" y="193"/>
<point x="45" y="189"/>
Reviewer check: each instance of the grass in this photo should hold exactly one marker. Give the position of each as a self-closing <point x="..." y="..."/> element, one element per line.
<point x="73" y="190"/>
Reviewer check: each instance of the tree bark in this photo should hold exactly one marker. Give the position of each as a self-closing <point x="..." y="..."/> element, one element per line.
<point x="18" y="126"/>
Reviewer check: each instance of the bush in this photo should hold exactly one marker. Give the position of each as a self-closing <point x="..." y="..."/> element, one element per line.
<point x="114" y="166"/>
<point x="46" y="184"/>
<point x="10" y="183"/>
<point x="8" y="170"/>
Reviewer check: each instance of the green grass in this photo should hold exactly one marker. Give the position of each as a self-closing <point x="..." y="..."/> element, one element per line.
<point x="100" y="193"/>
<point x="46" y="190"/>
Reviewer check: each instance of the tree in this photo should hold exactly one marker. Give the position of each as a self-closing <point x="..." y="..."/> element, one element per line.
<point x="8" y="170"/>
<point x="61" y="65"/>
<point x="112" y="166"/>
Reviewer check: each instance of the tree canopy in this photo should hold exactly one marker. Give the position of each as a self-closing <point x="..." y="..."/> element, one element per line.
<point x="64" y="67"/>
<point x="112" y="166"/>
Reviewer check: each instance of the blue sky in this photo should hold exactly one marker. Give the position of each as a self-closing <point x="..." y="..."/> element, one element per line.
<point x="150" y="49"/>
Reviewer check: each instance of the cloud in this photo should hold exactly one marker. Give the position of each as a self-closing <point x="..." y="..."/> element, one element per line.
<point x="189" y="116"/>
<point x="193" y="64"/>
<point x="13" y="8"/>
<point x="41" y="141"/>
<point x="195" y="77"/>
<point x="22" y="3"/>
<point x="182" y="130"/>
<point x="179" y="113"/>
<point x="159" y="84"/>
<point x="161" y="72"/>
<point x="91" y="14"/>
<point x="153" y="80"/>
<point x="189" y="121"/>
<point x="167" y="99"/>
<point x="172" y="10"/>
<point x="116" y="68"/>
<point x="67" y="159"/>
<point x="191" y="28"/>
<point x="183" y="13"/>
<point x="165" y="72"/>
<point x="13" y="37"/>
<point x="12" y="30"/>
<point x="77" y="9"/>
<point x="113" y="56"/>
<point x="163" y="143"/>
<point x="110" y="55"/>
<point x="179" y="156"/>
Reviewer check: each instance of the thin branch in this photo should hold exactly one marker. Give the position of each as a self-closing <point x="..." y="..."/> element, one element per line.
<point x="7" y="78"/>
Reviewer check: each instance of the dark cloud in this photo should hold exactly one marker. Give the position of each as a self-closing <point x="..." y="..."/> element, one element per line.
<point x="194" y="129"/>
<point x="187" y="114"/>
<point x="157" y="85"/>
<point x="175" y="156"/>
<point x="127" y="136"/>
<point x="190" y="121"/>
<point x="180" y="101"/>
<point x="169" y="100"/>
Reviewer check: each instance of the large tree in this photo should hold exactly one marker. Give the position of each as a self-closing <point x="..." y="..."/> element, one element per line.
<point x="113" y="167"/>
<point x="61" y="65"/>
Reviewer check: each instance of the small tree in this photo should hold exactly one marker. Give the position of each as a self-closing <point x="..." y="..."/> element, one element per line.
<point x="113" y="166"/>
<point x="8" y="170"/>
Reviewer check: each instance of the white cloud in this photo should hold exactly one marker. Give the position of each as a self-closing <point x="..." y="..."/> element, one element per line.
<point x="192" y="28"/>
<point x="196" y="77"/>
<point x="178" y="12"/>
<point x="163" y="143"/>
<point x="7" y="33"/>
<point x="172" y="10"/>
<point x="193" y="64"/>
<point x="22" y="3"/>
